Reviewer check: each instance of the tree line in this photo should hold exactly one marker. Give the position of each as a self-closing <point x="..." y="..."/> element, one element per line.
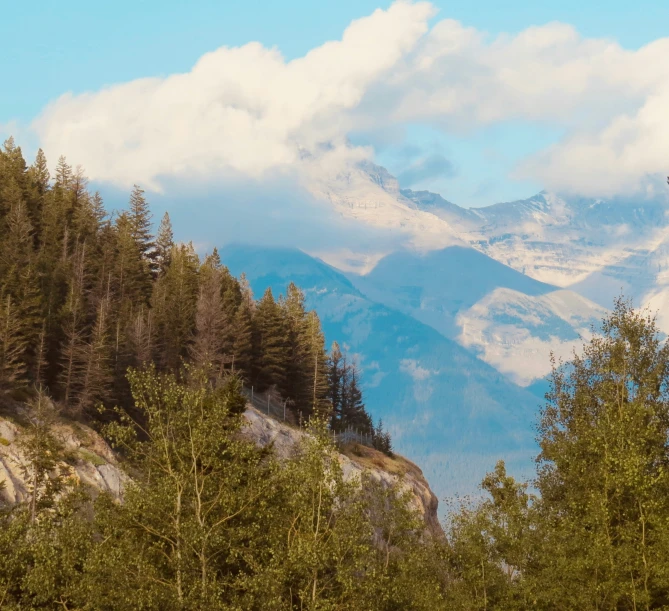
<point x="85" y="295"/>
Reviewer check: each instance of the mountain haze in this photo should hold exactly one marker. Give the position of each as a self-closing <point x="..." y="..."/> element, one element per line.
<point x="447" y="410"/>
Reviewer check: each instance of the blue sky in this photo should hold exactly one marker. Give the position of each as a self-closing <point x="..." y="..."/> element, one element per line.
<point x="76" y="46"/>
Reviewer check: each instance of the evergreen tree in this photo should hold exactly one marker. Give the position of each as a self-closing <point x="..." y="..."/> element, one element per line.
<point x="140" y="227"/>
<point x="316" y="372"/>
<point x="18" y="276"/>
<point x="12" y="346"/>
<point x="96" y="371"/>
<point x="335" y="384"/>
<point x="271" y="358"/>
<point x="353" y="407"/>
<point x="242" y="341"/>
<point x="164" y="244"/>
<point x="175" y="305"/>
<point x="132" y="276"/>
<point x="72" y="353"/>
<point x="39" y="173"/>
<point x="141" y="337"/>
<point x="43" y="453"/>
<point x="381" y="439"/>
<point x="298" y="387"/>
<point x="212" y="340"/>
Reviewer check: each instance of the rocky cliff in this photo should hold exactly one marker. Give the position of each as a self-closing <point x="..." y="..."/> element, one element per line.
<point x="354" y="459"/>
<point x="88" y="458"/>
<point x="92" y="462"/>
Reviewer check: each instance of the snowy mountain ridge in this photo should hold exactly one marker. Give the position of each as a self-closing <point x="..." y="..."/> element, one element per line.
<point x="583" y="251"/>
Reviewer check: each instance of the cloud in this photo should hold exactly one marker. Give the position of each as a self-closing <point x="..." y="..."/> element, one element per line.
<point x="422" y="387"/>
<point x="246" y="112"/>
<point x="610" y="102"/>
<point x="238" y="111"/>
<point x="427" y="169"/>
<point x="413" y="368"/>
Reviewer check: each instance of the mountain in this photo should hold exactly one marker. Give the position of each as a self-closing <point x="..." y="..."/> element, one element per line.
<point x="447" y="410"/>
<point x="449" y="327"/>
<point x="510" y="320"/>
<point x="597" y="248"/>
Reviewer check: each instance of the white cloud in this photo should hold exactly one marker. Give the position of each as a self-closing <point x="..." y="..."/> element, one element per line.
<point x="413" y="368"/>
<point x="241" y="110"/>
<point x="246" y="111"/>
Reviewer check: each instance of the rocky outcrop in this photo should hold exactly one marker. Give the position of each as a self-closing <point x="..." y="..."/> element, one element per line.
<point x="92" y="462"/>
<point x="354" y="459"/>
<point x="88" y="459"/>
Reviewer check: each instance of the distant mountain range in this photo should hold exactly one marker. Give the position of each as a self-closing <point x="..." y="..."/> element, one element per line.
<point x="454" y="331"/>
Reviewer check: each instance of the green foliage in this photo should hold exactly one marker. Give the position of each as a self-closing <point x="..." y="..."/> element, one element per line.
<point x="597" y="535"/>
<point x="211" y="521"/>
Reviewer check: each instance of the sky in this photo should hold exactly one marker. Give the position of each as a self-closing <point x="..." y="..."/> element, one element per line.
<point x="481" y="102"/>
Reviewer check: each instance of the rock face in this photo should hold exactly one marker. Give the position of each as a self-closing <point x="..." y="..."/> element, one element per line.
<point x="92" y="462"/>
<point x="88" y="459"/>
<point x="354" y="461"/>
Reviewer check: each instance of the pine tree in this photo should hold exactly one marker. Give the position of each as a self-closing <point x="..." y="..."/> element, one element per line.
<point x="140" y="224"/>
<point x="381" y="439"/>
<point x="96" y="372"/>
<point x="132" y="277"/>
<point x="212" y="329"/>
<point x="39" y="173"/>
<point x="175" y="305"/>
<point x="354" y="413"/>
<point x="41" y="358"/>
<point x="12" y="346"/>
<point x="271" y="358"/>
<point x="63" y="174"/>
<point x="298" y="387"/>
<point x="316" y="372"/>
<point x="164" y="243"/>
<point x="141" y="337"/>
<point x="39" y="178"/>
<point x="43" y="453"/>
<point x="242" y="341"/>
<point x="72" y="353"/>
<point x="335" y="384"/>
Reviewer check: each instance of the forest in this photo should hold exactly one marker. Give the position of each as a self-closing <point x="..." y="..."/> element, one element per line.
<point x="104" y="322"/>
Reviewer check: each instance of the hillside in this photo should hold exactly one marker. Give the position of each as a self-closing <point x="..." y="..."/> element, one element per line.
<point x="92" y="463"/>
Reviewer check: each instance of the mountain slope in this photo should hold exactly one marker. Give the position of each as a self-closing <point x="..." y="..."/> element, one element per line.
<point x="595" y="247"/>
<point x="448" y="411"/>
<point x="510" y="320"/>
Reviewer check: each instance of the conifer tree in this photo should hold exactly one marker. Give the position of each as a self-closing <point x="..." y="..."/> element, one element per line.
<point x="140" y="223"/>
<point x="316" y="372"/>
<point x="12" y="346"/>
<point x="18" y="274"/>
<point x="132" y="276"/>
<point x="335" y="384"/>
<point x="39" y="173"/>
<point x="212" y="329"/>
<point x="72" y="353"/>
<point x="141" y="337"/>
<point x="43" y="452"/>
<point x="353" y="412"/>
<point x="175" y="304"/>
<point x="271" y="358"/>
<point x="96" y="372"/>
<point x="242" y="341"/>
<point x="63" y="174"/>
<point x="164" y="243"/>
<point x="298" y="387"/>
